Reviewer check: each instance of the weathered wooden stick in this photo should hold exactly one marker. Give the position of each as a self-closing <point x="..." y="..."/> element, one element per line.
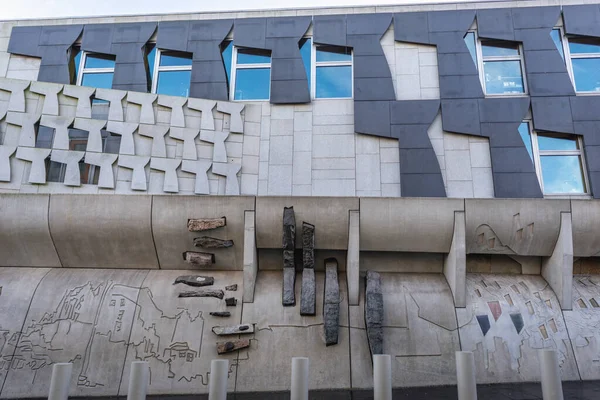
<point x="212" y="243"/>
<point x="220" y="313"/>
<point x="205" y="224"/>
<point x="231" y="288"/>
<point x="195" y="280"/>
<point x="233" y="345"/>
<point x="197" y="258"/>
<point x="203" y="293"/>
<point x="233" y="330"/>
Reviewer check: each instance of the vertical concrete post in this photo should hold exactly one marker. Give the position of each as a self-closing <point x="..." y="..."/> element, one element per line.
<point x="250" y="257"/>
<point x="138" y="380"/>
<point x="557" y="269"/>
<point x="59" y="383"/>
<point x="299" y="390"/>
<point x="382" y="377"/>
<point x="217" y="382"/>
<point x="551" y="382"/>
<point x="465" y="375"/>
<point x="353" y="258"/>
<point x="455" y="262"/>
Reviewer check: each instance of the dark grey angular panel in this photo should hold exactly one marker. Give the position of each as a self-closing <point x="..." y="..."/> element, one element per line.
<point x="173" y="35"/>
<point x="205" y="50"/>
<point x="585" y="108"/>
<point x="55" y="74"/>
<point x="412" y="136"/>
<point x="250" y="32"/>
<point x="212" y="90"/>
<point x="511" y="159"/>
<point x="594" y="179"/>
<point x="97" y="38"/>
<point x="367" y="24"/>
<point x="372" y="117"/>
<point x="592" y="157"/>
<point x="535" y="17"/>
<point x="365" y="45"/>
<point x="582" y="19"/>
<point x="418" y="161"/>
<point x="496" y="24"/>
<point x="290" y="92"/>
<point x="590" y="130"/>
<point x="24" y="40"/>
<point x="461" y="116"/>
<point x="451" y="21"/>
<point x="287" y="27"/>
<point x="130" y="74"/>
<point x="449" y="42"/>
<point x="54" y="55"/>
<point x="516" y="185"/>
<point x="371" y="67"/>
<point x="208" y="71"/>
<point x="422" y="185"/>
<point x="283" y="48"/>
<point x="329" y="29"/>
<point x="550" y="84"/>
<point x="216" y="29"/>
<point x="128" y="52"/>
<point x="503" y="110"/>
<point x="456" y="64"/>
<point x="543" y="61"/>
<point x="502" y="134"/>
<point x="460" y="87"/>
<point x="552" y="114"/>
<point x="134" y="87"/>
<point x="411" y="27"/>
<point x="54" y="35"/>
<point x="408" y="112"/>
<point x="373" y="89"/>
<point x="287" y="69"/>
<point x="535" y="39"/>
<point x="138" y="32"/>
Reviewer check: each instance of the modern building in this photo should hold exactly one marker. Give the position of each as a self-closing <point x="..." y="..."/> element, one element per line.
<point x="450" y="148"/>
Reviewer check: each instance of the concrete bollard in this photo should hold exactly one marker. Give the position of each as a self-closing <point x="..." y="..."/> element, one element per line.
<point x="217" y="383"/>
<point x="59" y="383"/>
<point x="138" y="380"/>
<point x="382" y="377"/>
<point x="465" y="375"/>
<point x="551" y="382"/>
<point x="299" y="389"/>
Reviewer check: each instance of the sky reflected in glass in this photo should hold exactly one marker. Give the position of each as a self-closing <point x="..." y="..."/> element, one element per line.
<point x="470" y="42"/>
<point x="252" y="84"/>
<point x="499" y="49"/>
<point x="334" y="82"/>
<point x="305" y="52"/>
<point x="175" y="59"/>
<point x="587" y="74"/>
<point x="562" y="174"/>
<point x="174" y="83"/>
<point x="227" y="56"/>
<point x="584" y="46"/>
<point x="556" y="143"/>
<point x="333" y="53"/>
<point x="526" y="137"/>
<point x="503" y="77"/>
<point x="99" y="61"/>
<point x="101" y="80"/>
<point x="555" y="35"/>
<point x="253" y="56"/>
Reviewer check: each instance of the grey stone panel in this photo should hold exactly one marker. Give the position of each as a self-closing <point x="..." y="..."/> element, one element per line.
<point x="495" y="23"/>
<point x="287" y="27"/>
<point x="460" y="87"/>
<point x="552" y="114"/>
<point x="412" y="136"/>
<point x="5" y="153"/>
<point x="235" y="112"/>
<point x="61" y="127"/>
<point x="581" y="19"/>
<point x="250" y="32"/>
<point x="516" y="185"/>
<point x="411" y="27"/>
<point x="418" y="161"/>
<point x="413" y="111"/>
<point x="83" y="94"/>
<point x="550" y="84"/>
<point x="290" y="92"/>
<point x="210" y="29"/>
<point x="511" y="159"/>
<point x="173" y="35"/>
<point x="137" y="164"/>
<point x="50" y="93"/>
<point x="157" y="134"/>
<point x="308" y="295"/>
<point x="230" y="171"/>
<point x="330" y="29"/>
<point x="543" y="61"/>
<point x="502" y="134"/>
<point x="461" y="116"/>
<point x="115" y="98"/>
<point x="188" y="136"/>
<point x="205" y="107"/>
<point x="146" y="102"/>
<point x="37" y="157"/>
<point x="169" y="167"/>
<point x="368" y="24"/>
<point x="503" y="110"/>
<point x="422" y="185"/>
<point x="374" y="312"/>
<point x="27" y="123"/>
<point x="373" y="89"/>
<point x="71" y="159"/>
<point x="125" y="130"/>
<point x="372" y="117"/>
<point x="105" y="161"/>
<point x="17" y="93"/>
<point x="200" y="169"/>
<point x="451" y="21"/>
<point x="585" y="108"/>
<point x="24" y="40"/>
<point x="218" y="139"/>
<point x="94" y="128"/>
<point x="97" y="38"/>
<point x="535" y="17"/>
<point x="456" y="64"/>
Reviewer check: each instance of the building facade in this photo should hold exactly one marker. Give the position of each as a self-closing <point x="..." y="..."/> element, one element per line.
<point x="449" y="148"/>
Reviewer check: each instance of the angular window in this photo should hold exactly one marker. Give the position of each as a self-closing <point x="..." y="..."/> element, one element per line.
<point x="170" y="71"/>
<point x="585" y="63"/>
<point x="558" y="160"/>
<point x="92" y="69"/>
<point x="248" y="72"/>
<point x="333" y="72"/>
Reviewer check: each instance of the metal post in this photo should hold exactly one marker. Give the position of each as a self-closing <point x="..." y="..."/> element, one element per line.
<point x="299" y="389"/>
<point x="551" y="382"/>
<point x="465" y="375"/>
<point x="217" y="382"/>
<point x="138" y="380"/>
<point x="59" y="383"/>
<point x="382" y="377"/>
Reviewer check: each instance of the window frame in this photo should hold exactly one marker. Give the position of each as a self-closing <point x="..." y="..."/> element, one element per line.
<point x="568" y="59"/>
<point x="537" y="161"/>
<point x="313" y="70"/>
<point x="234" y="69"/>
<point x="82" y="70"/>
<point x="157" y="69"/>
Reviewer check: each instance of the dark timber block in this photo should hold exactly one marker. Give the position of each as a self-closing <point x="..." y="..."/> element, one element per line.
<point x="374" y="312"/>
<point x="289" y="286"/>
<point x="212" y="243"/>
<point x="204" y="224"/>
<point x="197" y="258"/>
<point x="331" y="300"/>
<point x="308" y="297"/>
<point x="289" y="228"/>
<point x="308" y="245"/>
<point x="195" y="280"/>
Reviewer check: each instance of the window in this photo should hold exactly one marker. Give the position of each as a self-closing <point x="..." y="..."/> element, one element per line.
<point x="248" y="72"/>
<point x="170" y="72"/>
<point x="328" y="69"/>
<point x="500" y="65"/>
<point x="558" y="160"/>
<point x="93" y="69"/>
<point x="582" y="58"/>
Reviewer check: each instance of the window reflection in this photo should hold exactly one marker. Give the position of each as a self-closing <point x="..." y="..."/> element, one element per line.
<point x="252" y="84"/>
<point x="333" y="72"/>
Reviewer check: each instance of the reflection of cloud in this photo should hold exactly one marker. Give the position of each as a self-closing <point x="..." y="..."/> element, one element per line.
<point x="562" y="174"/>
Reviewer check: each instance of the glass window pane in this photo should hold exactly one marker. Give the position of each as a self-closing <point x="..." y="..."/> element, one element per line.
<point x="555" y="34"/>
<point x="175" y="59"/>
<point x="587" y="74"/>
<point x="334" y="82"/>
<point x="584" y="45"/>
<point x="526" y="137"/>
<point x="305" y="50"/>
<point x="103" y="80"/>
<point x="253" y="56"/>
<point x="333" y="53"/>
<point x="252" y="84"/>
<point x="174" y="83"/>
<point x="470" y="42"/>
<point x="74" y="64"/>
<point x="499" y="49"/>
<point x="44" y="138"/>
<point x="99" y="61"/>
<point x="55" y="172"/>
<point x="227" y="56"/>
<point x="556" y="143"/>
<point x="562" y="174"/>
<point x="151" y="58"/>
<point x="503" y="77"/>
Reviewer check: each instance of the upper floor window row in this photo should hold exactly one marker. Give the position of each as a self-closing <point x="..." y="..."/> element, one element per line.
<point x="582" y="59"/>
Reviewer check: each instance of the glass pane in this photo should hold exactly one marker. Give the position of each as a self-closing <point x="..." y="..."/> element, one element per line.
<point x="555" y="34"/>
<point x="74" y="64"/>
<point x="175" y="59"/>
<point x="562" y="174"/>
<point x="503" y="77"/>
<point x="333" y="53"/>
<point x="334" y="82"/>
<point x="253" y="56"/>
<point x="227" y="56"/>
<point x="526" y="137"/>
<point x="491" y="48"/>
<point x="252" y="84"/>
<point x="556" y="143"/>
<point x="103" y="80"/>
<point x="174" y="83"/>
<point x="305" y="50"/>
<point x="78" y="135"/>
<point x="587" y="74"/>
<point x="470" y="42"/>
<point x="45" y="137"/>
<point x="584" y="45"/>
<point x="55" y="171"/>
<point x="112" y="143"/>
<point x="99" y="61"/>
<point x="151" y="58"/>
